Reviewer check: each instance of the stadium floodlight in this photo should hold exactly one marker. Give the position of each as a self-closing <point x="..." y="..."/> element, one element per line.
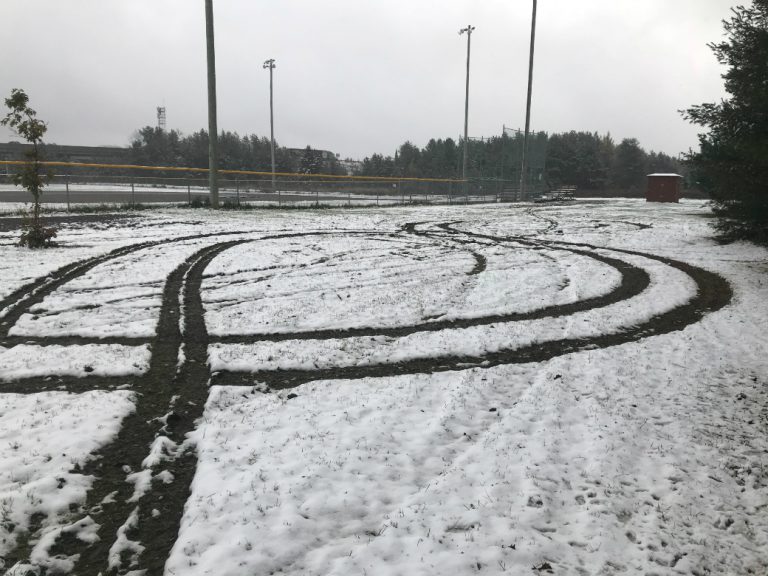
<point x="271" y="65"/>
<point x="524" y="167"/>
<point x="213" y="131"/>
<point x="468" y="31"/>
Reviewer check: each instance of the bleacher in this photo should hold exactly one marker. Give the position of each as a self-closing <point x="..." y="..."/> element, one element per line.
<point x="509" y="194"/>
<point x="560" y="194"/>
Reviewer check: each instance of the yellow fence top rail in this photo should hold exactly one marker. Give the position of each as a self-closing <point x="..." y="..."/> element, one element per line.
<point x="234" y="172"/>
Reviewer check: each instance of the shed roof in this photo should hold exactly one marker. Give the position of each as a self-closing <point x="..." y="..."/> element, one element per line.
<point x="664" y="176"/>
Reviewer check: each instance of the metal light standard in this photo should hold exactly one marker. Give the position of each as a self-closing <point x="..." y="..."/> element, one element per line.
<point x="524" y="167"/>
<point x="271" y="65"/>
<point x="468" y="30"/>
<point x="213" y="131"/>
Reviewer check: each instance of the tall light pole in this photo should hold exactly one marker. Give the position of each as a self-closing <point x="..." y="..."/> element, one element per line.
<point x="271" y="65"/>
<point x="468" y="31"/>
<point x="524" y="167"/>
<point x="213" y="131"/>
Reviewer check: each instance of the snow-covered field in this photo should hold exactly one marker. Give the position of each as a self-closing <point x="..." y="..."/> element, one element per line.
<point x="559" y="389"/>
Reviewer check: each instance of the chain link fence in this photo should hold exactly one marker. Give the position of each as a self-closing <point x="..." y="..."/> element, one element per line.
<point x="133" y="187"/>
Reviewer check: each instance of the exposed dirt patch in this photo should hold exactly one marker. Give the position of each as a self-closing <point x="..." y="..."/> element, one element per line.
<point x="11" y="223"/>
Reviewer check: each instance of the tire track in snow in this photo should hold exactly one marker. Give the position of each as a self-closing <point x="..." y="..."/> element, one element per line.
<point x="159" y="420"/>
<point x="713" y="293"/>
<point x="159" y="415"/>
<point x="21" y="300"/>
<point x="19" y="303"/>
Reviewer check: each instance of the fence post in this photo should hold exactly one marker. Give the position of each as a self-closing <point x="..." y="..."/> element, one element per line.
<point x="450" y="192"/>
<point x="237" y="191"/>
<point x="133" y="193"/>
<point x="276" y="190"/>
<point x="402" y="192"/>
<point x="189" y="193"/>
<point x="67" y="184"/>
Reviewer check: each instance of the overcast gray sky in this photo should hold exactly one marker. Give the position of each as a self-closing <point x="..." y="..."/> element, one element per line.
<point x="362" y="76"/>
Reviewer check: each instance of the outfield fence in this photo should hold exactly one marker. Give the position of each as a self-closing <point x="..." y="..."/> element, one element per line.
<point x="79" y="183"/>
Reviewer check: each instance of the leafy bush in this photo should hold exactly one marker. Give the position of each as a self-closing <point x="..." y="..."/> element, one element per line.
<point x="36" y="236"/>
<point x="23" y="120"/>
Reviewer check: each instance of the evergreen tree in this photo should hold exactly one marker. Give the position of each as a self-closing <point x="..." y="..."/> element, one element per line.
<point x="378" y="165"/>
<point x="195" y="149"/>
<point x="607" y="155"/>
<point x="311" y="161"/>
<point x="576" y="158"/>
<point x="732" y="163"/>
<point x="630" y="167"/>
<point x="156" y="147"/>
<point x="660" y="163"/>
<point x="407" y="160"/>
<point x="451" y="154"/>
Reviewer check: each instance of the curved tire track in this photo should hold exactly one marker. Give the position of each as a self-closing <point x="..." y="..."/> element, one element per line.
<point x="713" y="293"/>
<point x="157" y="414"/>
<point x="134" y="430"/>
<point x="19" y="302"/>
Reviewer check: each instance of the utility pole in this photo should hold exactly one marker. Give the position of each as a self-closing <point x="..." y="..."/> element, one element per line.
<point x="213" y="130"/>
<point x="271" y="65"/>
<point x="524" y="167"/>
<point x="468" y="30"/>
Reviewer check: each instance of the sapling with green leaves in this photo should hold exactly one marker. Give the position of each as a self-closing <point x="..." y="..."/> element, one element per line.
<point x="23" y="120"/>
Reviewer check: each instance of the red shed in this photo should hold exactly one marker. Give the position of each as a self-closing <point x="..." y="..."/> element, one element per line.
<point x="664" y="188"/>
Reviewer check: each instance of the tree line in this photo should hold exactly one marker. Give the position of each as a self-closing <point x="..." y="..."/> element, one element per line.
<point x="155" y="147"/>
<point x="587" y="160"/>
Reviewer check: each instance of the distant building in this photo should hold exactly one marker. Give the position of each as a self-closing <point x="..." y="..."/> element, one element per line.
<point x="664" y="188"/>
<point x="57" y="153"/>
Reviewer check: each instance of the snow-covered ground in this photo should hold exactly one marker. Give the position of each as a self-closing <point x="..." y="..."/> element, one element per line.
<point x="44" y="438"/>
<point x="645" y="457"/>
